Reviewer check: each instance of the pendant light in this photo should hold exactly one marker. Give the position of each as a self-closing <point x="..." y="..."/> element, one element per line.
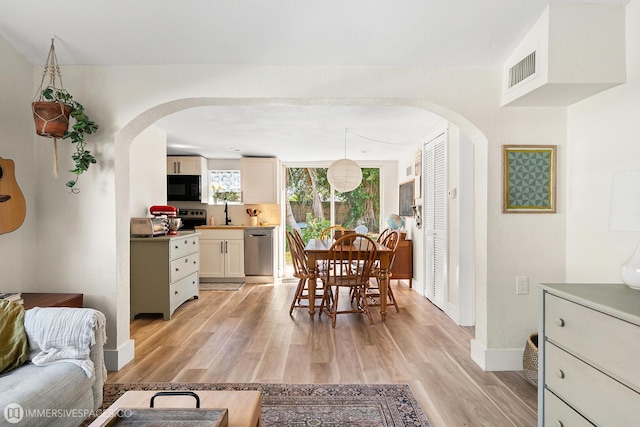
<point x="344" y="175"/>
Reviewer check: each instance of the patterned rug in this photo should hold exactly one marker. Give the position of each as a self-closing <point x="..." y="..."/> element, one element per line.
<point x="214" y="286"/>
<point x="317" y="405"/>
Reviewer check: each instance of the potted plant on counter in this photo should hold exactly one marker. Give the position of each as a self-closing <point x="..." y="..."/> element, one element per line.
<point x="51" y="111"/>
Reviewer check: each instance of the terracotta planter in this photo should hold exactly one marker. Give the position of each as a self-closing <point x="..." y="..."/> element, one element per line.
<point x="51" y="118"/>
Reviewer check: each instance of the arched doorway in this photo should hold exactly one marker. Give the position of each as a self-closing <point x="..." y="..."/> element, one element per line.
<point x="128" y="133"/>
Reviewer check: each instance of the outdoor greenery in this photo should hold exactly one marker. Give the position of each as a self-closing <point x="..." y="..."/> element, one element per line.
<point x="365" y="201"/>
<point x="310" y="188"/>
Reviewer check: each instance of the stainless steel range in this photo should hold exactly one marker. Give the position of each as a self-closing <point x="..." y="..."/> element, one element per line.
<point x="192" y="218"/>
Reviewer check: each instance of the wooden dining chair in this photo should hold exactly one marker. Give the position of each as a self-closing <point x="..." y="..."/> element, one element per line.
<point x="383" y="234"/>
<point x="390" y="240"/>
<point x="302" y="273"/>
<point x="340" y="273"/>
<point x="296" y="234"/>
<point x="327" y="233"/>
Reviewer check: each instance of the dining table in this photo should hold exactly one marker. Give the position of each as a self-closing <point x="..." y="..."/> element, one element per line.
<point x="318" y="250"/>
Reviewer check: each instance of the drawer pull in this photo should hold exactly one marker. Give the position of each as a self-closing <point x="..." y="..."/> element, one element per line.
<point x="559" y="423"/>
<point x="186" y="260"/>
<point x="560" y="322"/>
<point x="176" y="247"/>
<point x="175" y="293"/>
<point x="560" y="373"/>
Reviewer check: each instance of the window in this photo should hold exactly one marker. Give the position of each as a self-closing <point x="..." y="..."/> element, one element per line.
<point x="225" y="186"/>
<point x="312" y="206"/>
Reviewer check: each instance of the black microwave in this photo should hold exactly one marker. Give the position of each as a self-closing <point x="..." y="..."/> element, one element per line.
<point x="184" y="188"/>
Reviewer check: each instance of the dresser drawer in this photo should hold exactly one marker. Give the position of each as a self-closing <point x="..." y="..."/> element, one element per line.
<point x="611" y="344"/>
<point x="183" y="246"/>
<point x="182" y="267"/>
<point x="598" y="397"/>
<point x="183" y="290"/>
<point x="559" y="414"/>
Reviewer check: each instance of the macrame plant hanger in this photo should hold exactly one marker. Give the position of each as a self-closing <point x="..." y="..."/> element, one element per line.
<point x="51" y="68"/>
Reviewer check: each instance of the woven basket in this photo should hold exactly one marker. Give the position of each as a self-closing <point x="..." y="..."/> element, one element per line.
<point x="530" y="360"/>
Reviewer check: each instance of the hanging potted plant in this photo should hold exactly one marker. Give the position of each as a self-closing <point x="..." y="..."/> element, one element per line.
<point x="52" y="108"/>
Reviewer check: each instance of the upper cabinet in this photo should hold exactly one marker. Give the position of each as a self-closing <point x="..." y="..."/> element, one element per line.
<point x="261" y="177"/>
<point x="183" y="165"/>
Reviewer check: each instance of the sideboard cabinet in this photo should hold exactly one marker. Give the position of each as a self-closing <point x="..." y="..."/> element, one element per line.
<point x="588" y="364"/>
<point x="402" y="268"/>
<point x="164" y="273"/>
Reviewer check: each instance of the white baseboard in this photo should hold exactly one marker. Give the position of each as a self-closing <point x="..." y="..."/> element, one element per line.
<point x="499" y="359"/>
<point x="452" y="311"/>
<point x="117" y="359"/>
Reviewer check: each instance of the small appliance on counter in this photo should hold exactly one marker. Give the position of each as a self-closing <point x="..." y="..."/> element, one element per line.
<point x="149" y="227"/>
<point x="163" y="222"/>
<point x="174" y="226"/>
<point x="170" y="213"/>
<point x="166" y="210"/>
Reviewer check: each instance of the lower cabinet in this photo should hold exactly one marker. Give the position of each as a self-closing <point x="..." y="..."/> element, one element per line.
<point x="222" y="254"/>
<point x="402" y="268"/>
<point x="164" y="273"/>
<point x="589" y="370"/>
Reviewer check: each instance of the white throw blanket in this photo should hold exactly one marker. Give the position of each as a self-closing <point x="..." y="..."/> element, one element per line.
<point x="62" y="335"/>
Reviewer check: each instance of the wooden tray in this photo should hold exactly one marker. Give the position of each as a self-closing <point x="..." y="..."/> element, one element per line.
<point x="174" y="417"/>
<point x="169" y="417"/>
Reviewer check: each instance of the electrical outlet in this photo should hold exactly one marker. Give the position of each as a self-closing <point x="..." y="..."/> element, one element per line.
<point x="522" y="285"/>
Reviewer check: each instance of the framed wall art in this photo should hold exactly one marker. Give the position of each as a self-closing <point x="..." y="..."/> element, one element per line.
<point x="406" y="199"/>
<point x="529" y="178"/>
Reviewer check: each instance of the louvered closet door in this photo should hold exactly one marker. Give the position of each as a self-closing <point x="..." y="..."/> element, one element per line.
<point x="435" y="220"/>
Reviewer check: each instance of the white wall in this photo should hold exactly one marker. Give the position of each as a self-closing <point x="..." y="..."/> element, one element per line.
<point x="125" y="100"/>
<point x="17" y="249"/>
<point x="148" y="171"/>
<point x="603" y="138"/>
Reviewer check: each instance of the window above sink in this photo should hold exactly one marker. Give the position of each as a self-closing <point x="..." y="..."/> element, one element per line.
<point x="225" y="186"/>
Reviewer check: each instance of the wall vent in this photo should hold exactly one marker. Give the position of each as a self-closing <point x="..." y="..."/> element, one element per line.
<point x="523" y="69"/>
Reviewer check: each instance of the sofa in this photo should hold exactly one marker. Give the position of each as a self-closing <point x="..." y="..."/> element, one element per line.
<point x="61" y="383"/>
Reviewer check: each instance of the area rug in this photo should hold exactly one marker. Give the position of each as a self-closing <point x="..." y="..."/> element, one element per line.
<point x="335" y="405"/>
<point x="214" y="286"/>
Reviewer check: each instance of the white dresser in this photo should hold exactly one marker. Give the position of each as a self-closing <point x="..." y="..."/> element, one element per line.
<point x="164" y="273"/>
<point x="589" y="364"/>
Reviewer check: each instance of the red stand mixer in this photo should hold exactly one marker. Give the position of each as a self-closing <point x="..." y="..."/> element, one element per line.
<point x="170" y="212"/>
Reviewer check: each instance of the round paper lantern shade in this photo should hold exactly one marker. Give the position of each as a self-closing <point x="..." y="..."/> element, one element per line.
<point x="344" y="175"/>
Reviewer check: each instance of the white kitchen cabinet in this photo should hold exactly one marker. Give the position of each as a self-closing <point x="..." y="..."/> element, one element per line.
<point x="163" y="273"/>
<point x="222" y="254"/>
<point x="261" y="179"/>
<point x="589" y="355"/>
<point x="185" y="165"/>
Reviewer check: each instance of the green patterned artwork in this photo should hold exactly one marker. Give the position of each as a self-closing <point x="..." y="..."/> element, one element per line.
<point x="529" y="179"/>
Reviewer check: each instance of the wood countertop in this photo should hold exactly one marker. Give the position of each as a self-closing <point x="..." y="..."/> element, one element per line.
<point x="231" y="227"/>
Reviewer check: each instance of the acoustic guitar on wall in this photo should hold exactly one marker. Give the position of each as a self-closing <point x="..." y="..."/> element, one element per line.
<point x="12" y="205"/>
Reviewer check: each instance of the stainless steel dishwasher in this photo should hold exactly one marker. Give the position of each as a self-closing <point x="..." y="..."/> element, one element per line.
<point x="258" y="251"/>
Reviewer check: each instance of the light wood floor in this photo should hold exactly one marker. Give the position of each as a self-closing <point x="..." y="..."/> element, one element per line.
<point x="248" y="336"/>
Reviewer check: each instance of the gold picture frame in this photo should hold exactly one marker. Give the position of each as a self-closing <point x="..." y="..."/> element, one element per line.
<point x="529" y="178"/>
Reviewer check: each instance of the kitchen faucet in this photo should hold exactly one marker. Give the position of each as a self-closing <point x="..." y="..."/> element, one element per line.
<point x="227" y="220"/>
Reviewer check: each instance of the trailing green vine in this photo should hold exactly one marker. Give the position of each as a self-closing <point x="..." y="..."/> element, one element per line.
<point x="82" y="126"/>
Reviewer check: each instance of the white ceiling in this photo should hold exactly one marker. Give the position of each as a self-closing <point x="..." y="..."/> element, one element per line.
<point x="277" y="32"/>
